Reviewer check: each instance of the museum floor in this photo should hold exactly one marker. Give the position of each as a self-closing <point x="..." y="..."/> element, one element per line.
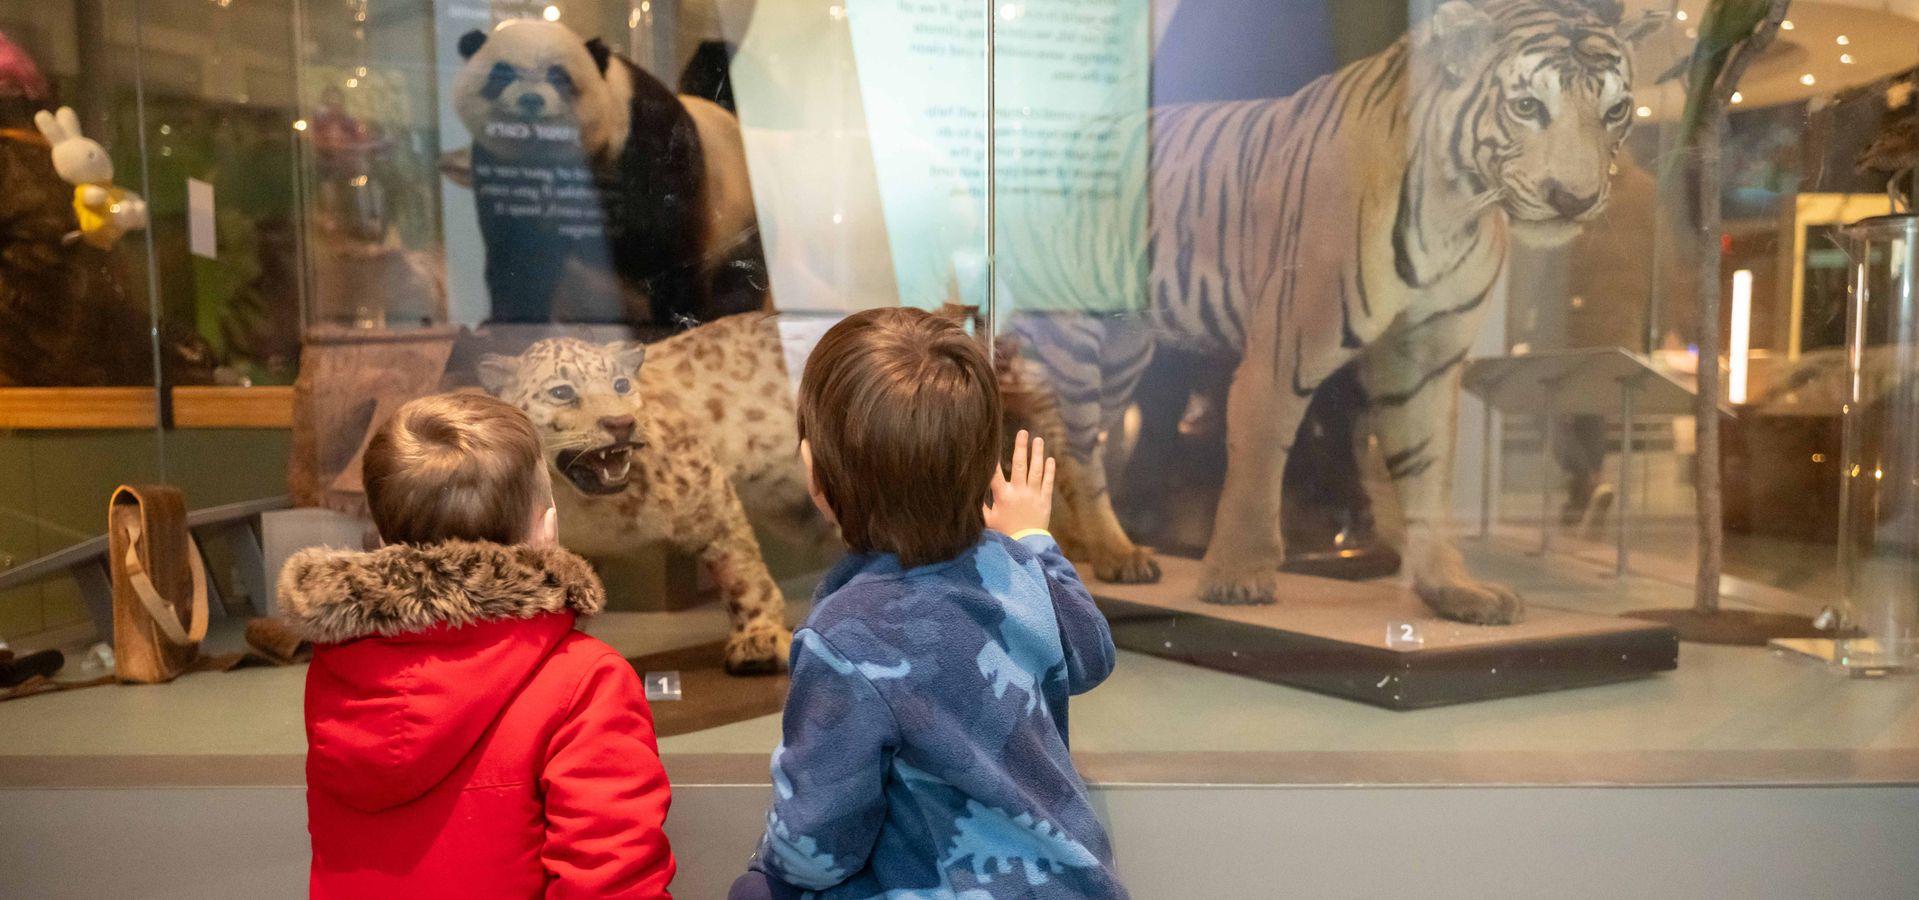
<point x="1727" y="715"/>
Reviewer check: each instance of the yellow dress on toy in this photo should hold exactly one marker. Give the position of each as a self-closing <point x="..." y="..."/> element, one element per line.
<point x="98" y="209"/>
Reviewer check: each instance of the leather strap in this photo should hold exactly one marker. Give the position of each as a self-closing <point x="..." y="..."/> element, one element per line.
<point x="157" y="606"/>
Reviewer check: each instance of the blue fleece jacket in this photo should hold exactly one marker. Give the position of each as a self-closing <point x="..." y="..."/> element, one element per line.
<point x="925" y="732"/>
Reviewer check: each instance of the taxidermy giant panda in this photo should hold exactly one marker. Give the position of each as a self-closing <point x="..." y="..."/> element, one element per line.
<point x="602" y="196"/>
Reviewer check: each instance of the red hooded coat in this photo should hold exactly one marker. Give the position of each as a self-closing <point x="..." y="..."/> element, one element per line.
<point x="463" y="740"/>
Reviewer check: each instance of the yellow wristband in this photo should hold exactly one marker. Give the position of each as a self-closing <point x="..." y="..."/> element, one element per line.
<point x="1030" y="532"/>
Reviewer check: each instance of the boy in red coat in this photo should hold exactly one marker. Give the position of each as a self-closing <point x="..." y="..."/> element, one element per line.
<point x="463" y="740"/>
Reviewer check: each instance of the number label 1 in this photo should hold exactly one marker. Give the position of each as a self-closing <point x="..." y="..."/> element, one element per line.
<point x="662" y="686"/>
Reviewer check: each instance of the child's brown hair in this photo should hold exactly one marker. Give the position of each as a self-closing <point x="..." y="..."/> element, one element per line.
<point x="455" y="467"/>
<point x="902" y="413"/>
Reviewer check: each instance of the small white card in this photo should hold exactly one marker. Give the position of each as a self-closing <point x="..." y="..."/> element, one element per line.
<point x="662" y="686"/>
<point x="201" y="238"/>
<point x="1404" y="636"/>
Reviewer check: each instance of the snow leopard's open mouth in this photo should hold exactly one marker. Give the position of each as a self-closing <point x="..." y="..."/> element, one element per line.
<point x="601" y="470"/>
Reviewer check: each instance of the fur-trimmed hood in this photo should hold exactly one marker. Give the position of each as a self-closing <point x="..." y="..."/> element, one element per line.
<point x="335" y="596"/>
<point x="418" y="651"/>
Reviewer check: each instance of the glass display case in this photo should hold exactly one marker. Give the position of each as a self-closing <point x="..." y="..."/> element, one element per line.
<point x="1367" y="338"/>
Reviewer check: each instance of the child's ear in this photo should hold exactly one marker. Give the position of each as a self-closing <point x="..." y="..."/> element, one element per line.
<point x="547" y="533"/>
<point x="813" y="484"/>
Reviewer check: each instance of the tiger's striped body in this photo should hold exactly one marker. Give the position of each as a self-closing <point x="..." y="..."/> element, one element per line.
<point x="1367" y="217"/>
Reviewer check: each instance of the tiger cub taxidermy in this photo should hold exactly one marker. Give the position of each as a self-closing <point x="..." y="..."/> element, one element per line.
<point x="1366" y="217"/>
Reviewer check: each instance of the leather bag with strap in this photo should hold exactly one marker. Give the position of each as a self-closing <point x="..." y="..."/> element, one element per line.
<point x="159" y="584"/>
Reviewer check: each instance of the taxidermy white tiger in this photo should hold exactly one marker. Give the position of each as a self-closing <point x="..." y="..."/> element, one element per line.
<point x="1366" y="216"/>
<point x="680" y="451"/>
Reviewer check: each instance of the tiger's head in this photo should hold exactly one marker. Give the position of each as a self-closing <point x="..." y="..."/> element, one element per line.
<point x="584" y="400"/>
<point x="1538" y="97"/>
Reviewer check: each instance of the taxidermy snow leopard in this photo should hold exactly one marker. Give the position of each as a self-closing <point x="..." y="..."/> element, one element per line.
<point x="680" y="450"/>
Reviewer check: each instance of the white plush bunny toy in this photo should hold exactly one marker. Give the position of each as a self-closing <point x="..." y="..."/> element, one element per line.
<point x="105" y="212"/>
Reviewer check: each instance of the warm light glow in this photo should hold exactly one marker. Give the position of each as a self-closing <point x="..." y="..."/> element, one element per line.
<point x="299" y="124"/>
<point x="1845" y="59"/>
<point x="1738" y="97"/>
<point x="1842" y="40"/>
<point x="1819" y="457"/>
<point x="836" y="11"/>
<point x="1680" y="15"/>
<point x="1786" y="25"/>
<point x="1009" y="12"/>
<point x="1741" y="340"/>
<point x="1644" y="111"/>
<point x="1808" y="80"/>
<point x="551" y="14"/>
<point x="352" y="83"/>
<point x="1878" y="474"/>
<point x="633" y="19"/>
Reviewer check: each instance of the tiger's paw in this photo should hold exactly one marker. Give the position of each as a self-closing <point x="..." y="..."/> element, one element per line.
<point x="1256" y="587"/>
<point x="1136" y="566"/>
<point x="758" y="650"/>
<point x="1473" y="602"/>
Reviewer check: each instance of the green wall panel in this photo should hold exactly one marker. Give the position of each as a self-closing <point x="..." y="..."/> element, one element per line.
<point x="54" y="487"/>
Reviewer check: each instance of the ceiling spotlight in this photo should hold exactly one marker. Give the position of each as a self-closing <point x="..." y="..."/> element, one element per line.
<point x="551" y="14"/>
<point x="1842" y="40"/>
<point x="299" y="124"/>
<point x="1644" y="111"/>
<point x="1785" y="25"/>
<point x="1680" y="15"/>
<point x="1738" y="97"/>
<point x="1845" y="59"/>
<point x="1808" y="80"/>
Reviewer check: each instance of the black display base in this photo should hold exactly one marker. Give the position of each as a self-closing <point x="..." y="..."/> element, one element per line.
<point x="1377" y="643"/>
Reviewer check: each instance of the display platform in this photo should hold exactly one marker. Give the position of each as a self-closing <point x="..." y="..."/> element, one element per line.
<point x="702" y="695"/>
<point x="1377" y="643"/>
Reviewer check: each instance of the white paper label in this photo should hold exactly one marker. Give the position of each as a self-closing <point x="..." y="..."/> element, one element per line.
<point x="200" y="233"/>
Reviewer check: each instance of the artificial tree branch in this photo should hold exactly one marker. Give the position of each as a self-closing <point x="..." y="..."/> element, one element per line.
<point x="1715" y="74"/>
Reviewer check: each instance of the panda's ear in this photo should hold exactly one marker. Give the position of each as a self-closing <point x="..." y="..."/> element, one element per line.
<point x="602" y="55"/>
<point x="471" y="42"/>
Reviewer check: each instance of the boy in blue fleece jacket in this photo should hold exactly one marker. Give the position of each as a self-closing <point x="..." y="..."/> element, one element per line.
<point x="925" y="731"/>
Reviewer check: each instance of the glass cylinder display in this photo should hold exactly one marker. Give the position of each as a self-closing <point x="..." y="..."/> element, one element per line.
<point x="1879" y="502"/>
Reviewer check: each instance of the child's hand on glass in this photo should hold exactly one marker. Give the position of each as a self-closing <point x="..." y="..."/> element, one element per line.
<point x="1023" y="498"/>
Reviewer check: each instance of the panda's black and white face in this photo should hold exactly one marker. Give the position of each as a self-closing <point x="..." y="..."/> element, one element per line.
<point x="534" y="88"/>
